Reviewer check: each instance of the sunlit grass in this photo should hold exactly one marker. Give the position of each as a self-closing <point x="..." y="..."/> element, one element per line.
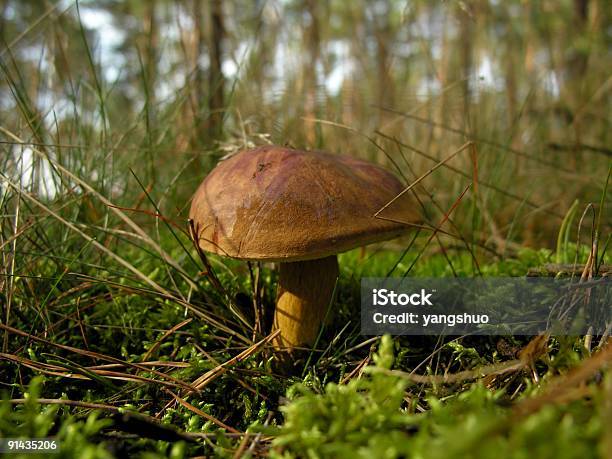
<point x="103" y="293"/>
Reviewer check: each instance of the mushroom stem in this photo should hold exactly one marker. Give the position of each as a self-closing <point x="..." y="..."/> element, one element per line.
<point x="304" y="292"/>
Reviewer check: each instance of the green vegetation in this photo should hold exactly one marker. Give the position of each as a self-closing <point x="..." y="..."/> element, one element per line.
<point x="337" y="404"/>
<point x="370" y="417"/>
<point x="111" y="113"/>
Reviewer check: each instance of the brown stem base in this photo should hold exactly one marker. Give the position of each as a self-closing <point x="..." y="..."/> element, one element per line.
<point x="304" y="292"/>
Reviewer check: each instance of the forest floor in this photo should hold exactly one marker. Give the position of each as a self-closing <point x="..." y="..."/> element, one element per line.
<point x="123" y="370"/>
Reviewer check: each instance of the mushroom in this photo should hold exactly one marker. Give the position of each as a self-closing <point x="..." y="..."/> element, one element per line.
<point x="299" y="209"/>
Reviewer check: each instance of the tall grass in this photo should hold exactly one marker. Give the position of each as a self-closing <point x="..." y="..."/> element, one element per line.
<point x="101" y="287"/>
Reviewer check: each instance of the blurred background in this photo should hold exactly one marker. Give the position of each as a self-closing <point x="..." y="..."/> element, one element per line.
<point x="140" y="99"/>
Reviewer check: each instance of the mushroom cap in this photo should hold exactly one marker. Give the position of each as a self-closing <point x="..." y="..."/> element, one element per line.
<point x="279" y="204"/>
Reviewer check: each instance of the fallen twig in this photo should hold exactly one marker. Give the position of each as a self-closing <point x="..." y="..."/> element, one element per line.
<point x="213" y="374"/>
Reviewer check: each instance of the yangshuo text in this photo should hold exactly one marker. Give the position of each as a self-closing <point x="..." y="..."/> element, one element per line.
<point x="384" y="297"/>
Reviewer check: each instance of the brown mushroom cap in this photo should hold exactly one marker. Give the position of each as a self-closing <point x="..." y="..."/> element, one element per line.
<point x="279" y="204"/>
